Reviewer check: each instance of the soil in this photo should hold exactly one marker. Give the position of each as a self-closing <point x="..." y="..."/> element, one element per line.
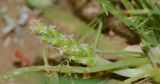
<point x="26" y="42"/>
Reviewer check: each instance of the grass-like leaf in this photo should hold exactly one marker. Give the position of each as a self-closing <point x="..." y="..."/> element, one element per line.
<point x="74" y="69"/>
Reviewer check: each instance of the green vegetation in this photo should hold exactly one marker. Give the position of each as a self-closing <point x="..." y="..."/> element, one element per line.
<point x="143" y="18"/>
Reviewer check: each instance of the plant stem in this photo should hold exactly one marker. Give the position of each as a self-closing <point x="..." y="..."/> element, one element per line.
<point x="45" y="59"/>
<point x="100" y="26"/>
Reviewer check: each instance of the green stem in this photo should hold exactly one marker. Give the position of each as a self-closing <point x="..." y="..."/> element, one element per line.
<point x="100" y="26"/>
<point x="46" y="64"/>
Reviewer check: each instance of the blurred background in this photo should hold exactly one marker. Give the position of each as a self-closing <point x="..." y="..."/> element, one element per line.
<point x="20" y="47"/>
